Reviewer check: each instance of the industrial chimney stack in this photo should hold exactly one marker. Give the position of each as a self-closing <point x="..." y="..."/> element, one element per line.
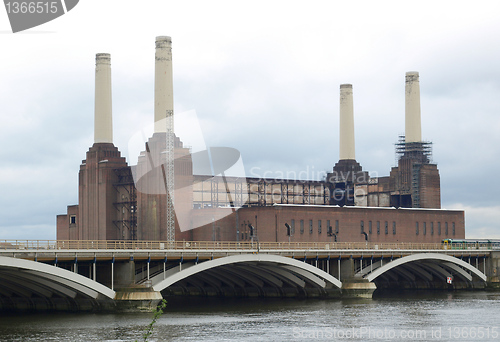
<point x="415" y="182"/>
<point x="413" y="129"/>
<point x="164" y="90"/>
<point x="347" y="147"/>
<point x="103" y="122"/>
<point x="98" y="194"/>
<point x="347" y="172"/>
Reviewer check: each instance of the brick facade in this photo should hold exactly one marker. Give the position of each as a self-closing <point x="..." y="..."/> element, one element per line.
<point x="310" y="224"/>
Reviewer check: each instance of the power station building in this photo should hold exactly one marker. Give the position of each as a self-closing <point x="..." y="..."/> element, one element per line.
<point x="160" y="199"/>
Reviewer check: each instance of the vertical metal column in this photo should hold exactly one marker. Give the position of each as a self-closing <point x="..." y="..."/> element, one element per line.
<point x="94" y="268"/>
<point x="149" y="260"/>
<point x="214" y="190"/>
<point x="164" y="268"/>
<point x="75" y="266"/>
<point x="339" y="267"/>
<point x="169" y="175"/>
<point x="113" y="273"/>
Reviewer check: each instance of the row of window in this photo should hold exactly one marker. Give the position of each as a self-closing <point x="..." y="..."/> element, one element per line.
<point x="417" y="231"/>
<point x="386" y="227"/>
<point x="337" y="226"/>
<point x="424" y="228"/>
<point x="377" y="225"/>
<point x="311" y="226"/>
<point x="371" y="227"/>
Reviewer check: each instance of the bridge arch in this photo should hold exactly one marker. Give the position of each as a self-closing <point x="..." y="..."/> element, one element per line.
<point x="47" y="285"/>
<point x="258" y="269"/>
<point x="450" y="263"/>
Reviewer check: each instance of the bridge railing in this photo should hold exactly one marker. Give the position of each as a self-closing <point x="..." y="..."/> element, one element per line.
<point x="203" y="245"/>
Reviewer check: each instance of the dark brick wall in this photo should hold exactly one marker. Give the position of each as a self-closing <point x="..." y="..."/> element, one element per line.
<point x="270" y="224"/>
<point x="97" y="194"/>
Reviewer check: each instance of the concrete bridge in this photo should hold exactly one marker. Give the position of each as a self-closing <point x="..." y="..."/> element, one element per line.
<point x="120" y="275"/>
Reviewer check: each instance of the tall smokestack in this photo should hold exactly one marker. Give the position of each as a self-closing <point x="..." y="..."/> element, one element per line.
<point x="413" y="128"/>
<point x="164" y="90"/>
<point x="103" y="122"/>
<point x="347" y="148"/>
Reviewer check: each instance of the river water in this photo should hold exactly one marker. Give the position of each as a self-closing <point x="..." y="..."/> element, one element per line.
<point x="409" y="316"/>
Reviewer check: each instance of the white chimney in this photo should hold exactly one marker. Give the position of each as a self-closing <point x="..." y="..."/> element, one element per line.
<point x="413" y="128"/>
<point x="347" y="147"/>
<point x="103" y="122"/>
<point x="164" y="90"/>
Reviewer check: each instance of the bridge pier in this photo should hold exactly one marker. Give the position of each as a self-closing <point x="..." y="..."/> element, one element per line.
<point x="358" y="288"/>
<point x="137" y="298"/>
<point x="353" y="287"/>
<point x="129" y="295"/>
<point x="493" y="271"/>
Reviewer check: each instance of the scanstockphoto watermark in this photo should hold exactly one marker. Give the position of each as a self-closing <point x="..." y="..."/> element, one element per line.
<point x="24" y="15"/>
<point x="369" y="333"/>
<point x="310" y="173"/>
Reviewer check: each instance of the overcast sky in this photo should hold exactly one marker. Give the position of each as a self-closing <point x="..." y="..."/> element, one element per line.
<point x="263" y="77"/>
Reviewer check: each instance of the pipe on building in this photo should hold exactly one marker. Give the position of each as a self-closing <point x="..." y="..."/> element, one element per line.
<point x="164" y="90"/>
<point x="347" y="147"/>
<point x="103" y="122"/>
<point x="413" y="128"/>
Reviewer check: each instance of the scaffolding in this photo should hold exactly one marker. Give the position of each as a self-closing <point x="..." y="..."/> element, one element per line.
<point x="127" y="204"/>
<point x="226" y="191"/>
<point x="420" y="151"/>
<point x="410" y="157"/>
<point x="415" y="185"/>
<point x="168" y="176"/>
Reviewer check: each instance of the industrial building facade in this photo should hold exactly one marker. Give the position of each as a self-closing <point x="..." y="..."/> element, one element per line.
<point x="122" y="202"/>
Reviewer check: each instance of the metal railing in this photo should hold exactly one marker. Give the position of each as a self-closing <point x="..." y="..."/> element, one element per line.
<point x="206" y="245"/>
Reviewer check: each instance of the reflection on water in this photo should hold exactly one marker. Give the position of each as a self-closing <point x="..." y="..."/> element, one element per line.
<point x="412" y="316"/>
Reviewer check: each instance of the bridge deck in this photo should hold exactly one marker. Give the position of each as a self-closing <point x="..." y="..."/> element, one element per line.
<point x="47" y="250"/>
<point x="211" y="245"/>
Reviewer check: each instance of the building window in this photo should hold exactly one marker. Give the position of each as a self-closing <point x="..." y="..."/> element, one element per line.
<point x="310" y="226"/>
<point x="319" y="226"/>
<point x="378" y="227"/>
<point x="386" y="228"/>
<point x="432" y="228"/>
<point x="328" y="225"/>
<point x="439" y="228"/>
<point x="394" y="227"/>
<point x="293" y="227"/>
<point x="72" y="219"/>
<point x="425" y="228"/>
<point x="362" y="227"/>
<point x="446" y="228"/>
<point x="301" y="226"/>
<point x="337" y="226"/>
<point x="416" y="228"/>
<point x="369" y="227"/>
<point x="453" y="228"/>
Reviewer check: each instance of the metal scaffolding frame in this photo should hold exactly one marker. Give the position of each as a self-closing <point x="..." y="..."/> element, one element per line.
<point x="227" y="191"/>
<point x="126" y="181"/>
<point x="168" y="176"/>
<point x="420" y="151"/>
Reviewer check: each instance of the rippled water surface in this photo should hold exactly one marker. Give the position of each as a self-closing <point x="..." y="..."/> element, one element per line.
<point x="442" y="316"/>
